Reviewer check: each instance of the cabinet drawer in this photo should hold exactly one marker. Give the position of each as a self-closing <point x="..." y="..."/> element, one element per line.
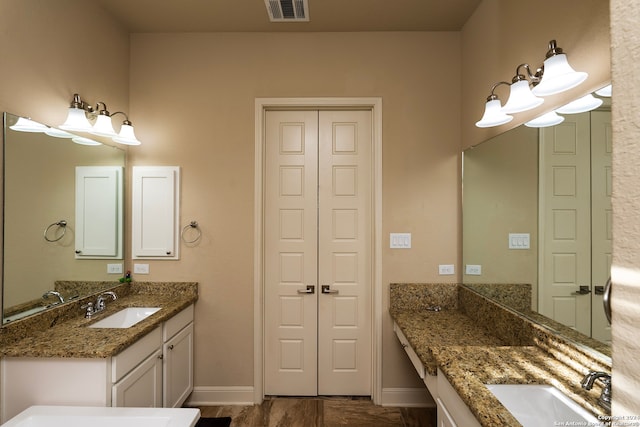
<point x="124" y="362"/>
<point x="417" y="364"/>
<point x="177" y="323"/>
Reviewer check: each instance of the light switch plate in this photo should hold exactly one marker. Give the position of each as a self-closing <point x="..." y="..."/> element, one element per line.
<point x="519" y="241"/>
<point x="473" y="270"/>
<point x="141" y="268"/>
<point x="114" y="268"/>
<point x="400" y="240"/>
<point x="446" y="269"/>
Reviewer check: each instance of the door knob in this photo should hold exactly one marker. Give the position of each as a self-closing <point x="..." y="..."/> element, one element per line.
<point x="310" y="289"/>
<point x="326" y="289"/>
<point x="584" y="290"/>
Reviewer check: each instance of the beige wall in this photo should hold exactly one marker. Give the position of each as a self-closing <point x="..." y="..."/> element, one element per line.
<point x="503" y="34"/>
<point x="625" y="36"/>
<point x="194" y="94"/>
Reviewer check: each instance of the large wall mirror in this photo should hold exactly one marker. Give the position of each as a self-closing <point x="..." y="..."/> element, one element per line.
<point x="537" y="210"/>
<point x="62" y="201"/>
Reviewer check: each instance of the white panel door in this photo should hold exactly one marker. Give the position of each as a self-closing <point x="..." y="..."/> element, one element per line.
<point x="566" y="220"/>
<point x="318" y="253"/>
<point x="601" y="219"/>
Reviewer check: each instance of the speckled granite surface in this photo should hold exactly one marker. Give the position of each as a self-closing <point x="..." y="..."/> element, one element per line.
<point x="63" y="332"/>
<point x="482" y="343"/>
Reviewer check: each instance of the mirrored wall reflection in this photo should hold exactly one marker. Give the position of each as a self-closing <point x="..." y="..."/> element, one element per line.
<point x="536" y="210"/>
<point x="41" y="266"/>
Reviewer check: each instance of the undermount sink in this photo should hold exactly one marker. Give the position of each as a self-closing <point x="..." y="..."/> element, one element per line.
<point x="125" y="318"/>
<point x="75" y="416"/>
<point x="535" y="405"/>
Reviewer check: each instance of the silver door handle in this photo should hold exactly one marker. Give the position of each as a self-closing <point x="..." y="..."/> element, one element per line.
<point x="310" y="289"/>
<point x="326" y="289"/>
<point x="584" y="290"/>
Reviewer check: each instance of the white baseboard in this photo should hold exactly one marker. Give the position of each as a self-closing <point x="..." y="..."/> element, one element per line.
<point x="407" y="397"/>
<point x="216" y="396"/>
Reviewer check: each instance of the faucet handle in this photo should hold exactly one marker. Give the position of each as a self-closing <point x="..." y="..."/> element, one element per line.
<point x="90" y="310"/>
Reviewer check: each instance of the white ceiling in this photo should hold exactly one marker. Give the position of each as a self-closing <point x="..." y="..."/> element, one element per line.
<point x="144" y="16"/>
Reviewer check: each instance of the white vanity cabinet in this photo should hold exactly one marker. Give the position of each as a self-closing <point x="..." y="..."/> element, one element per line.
<point x="155" y="371"/>
<point x="451" y="409"/>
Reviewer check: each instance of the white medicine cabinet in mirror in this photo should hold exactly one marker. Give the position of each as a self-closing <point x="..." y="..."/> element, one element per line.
<point x="63" y="218"/>
<point x="552" y="185"/>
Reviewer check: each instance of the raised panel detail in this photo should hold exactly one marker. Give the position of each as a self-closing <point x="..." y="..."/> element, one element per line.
<point x="291" y="224"/>
<point x="344" y="180"/>
<point x="345" y="138"/>
<point x="291" y="181"/>
<point x="344" y="355"/>
<point x="564" y="224"/>
<point x="345" y="224"/>
<point x="292" y="267"/>
<point x="291" y="355"/>
<point x="564" y="309"/>
<point x="564" y="181"/>
<point x="292" y="138"/>
<point x="345" y="311"/>
<point x="291" y="311"/>
<point x="345" y="267"/>
<point x="565" y="139"/>
<point x="564" y="268"/>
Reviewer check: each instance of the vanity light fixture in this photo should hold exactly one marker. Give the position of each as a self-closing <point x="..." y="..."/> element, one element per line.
<point x="581" y="105"/>
<point x="555" y="76"/>
<point x="605" y="91"/>
<point x="493" y="113"/>
<point x="545" y="120"/>
<point x="78" y="120"/>
<point x="27" y="125"/>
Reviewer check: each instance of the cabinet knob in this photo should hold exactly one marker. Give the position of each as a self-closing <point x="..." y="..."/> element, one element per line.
<point x="171" y="347"/>
<point x="168" y="252"/>
<point x="78" y="251"/>
<point x="161" y="356"/>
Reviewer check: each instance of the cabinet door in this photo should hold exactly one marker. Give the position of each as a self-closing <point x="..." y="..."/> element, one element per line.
<point x="98" y="212"/>
<point x="444" y="418"/>
<point x="178" y="368"/>
<point x="155" y="227"/>
<point x="142" y="387"/>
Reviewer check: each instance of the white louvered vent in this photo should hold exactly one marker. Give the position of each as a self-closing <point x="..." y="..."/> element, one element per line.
<point x="287" y="10"/>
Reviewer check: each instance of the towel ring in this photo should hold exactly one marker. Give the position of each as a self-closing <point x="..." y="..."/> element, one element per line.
<point x="62" y="224"/>
<point x="192" y="224"/>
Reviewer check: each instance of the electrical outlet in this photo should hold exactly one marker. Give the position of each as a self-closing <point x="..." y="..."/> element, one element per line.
<point x="141" y="268"/>
<point x="446" y="269"/>
<point x="114" y="268"/>
<point x="473" y="270"/>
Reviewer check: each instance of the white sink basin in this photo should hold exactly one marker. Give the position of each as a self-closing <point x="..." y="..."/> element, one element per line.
<point x="536" y="405"/>
<point x="125" y="318"/>
<point x="77" y="416"/>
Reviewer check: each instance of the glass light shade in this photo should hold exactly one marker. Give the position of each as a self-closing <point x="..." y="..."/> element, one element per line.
<point x="558" y="76"/>
<point x="28" y="125"/>
<point x="605" y="91"/>
<point x="545" y="120"/>
<point x="126" y="136"/>
<point x="493" y="115"/>
<point x="58" y="133"/>
<point x="521" y="98"/>
<point x="84" y="141"/>
<point x="103" y="126"/>
<point x="581" y="105"/>
<point x="76" y="121"/>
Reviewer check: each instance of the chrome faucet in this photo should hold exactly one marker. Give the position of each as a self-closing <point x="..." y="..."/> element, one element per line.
<point x="605" y="396"/>
<point x="53" y="293"/>
<point x="99" y="305"/>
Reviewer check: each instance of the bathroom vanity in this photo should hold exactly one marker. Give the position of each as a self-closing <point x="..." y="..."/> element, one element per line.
<point x="149" y="364"/>
<point x="472" y="341"/>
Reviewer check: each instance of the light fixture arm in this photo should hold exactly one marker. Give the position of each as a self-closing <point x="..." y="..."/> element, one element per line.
<point x="126" y="117"/>
<point x="492" y="95"/>
<point x="533" y="77"/>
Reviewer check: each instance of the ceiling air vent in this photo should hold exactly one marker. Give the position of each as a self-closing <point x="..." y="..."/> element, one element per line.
<point x="287" y="10"/>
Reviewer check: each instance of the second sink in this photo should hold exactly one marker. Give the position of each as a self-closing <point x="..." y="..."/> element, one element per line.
<point x="125" y="318"/>
<point x="536" y="405"/>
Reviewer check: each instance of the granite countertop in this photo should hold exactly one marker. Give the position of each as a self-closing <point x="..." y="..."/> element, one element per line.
<point x="469" y="357"/>
<point x="73" y="339"/>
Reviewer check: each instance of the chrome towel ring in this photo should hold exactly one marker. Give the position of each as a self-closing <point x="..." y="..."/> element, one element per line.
<point x="191" y="225"/>
<point x="62" y="224"/>
<point x="606" y="300"/>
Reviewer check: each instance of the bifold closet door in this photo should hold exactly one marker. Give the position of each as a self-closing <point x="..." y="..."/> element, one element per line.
<point x="317" y="224"/>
